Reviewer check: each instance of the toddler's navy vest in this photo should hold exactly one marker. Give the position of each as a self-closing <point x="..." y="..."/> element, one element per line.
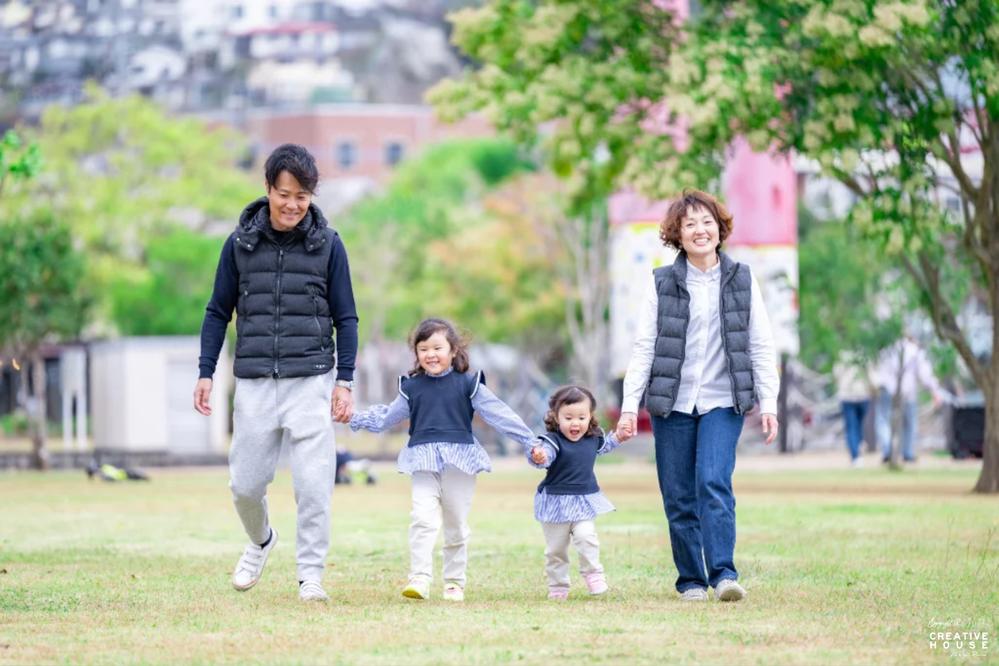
<point x="440" y="408"/>
<point x="571" y="473"/>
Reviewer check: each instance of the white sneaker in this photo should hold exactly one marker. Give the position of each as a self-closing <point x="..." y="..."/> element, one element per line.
<point x="251" y="564"/>
<point x="453" y="592"/>
<point x="729" y="590"/>
<point x="857" y="463"/>
<point x="694" y="594"/>
<point x="311" y="590"/>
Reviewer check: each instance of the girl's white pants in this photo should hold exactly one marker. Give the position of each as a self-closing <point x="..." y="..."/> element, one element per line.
<point x="440" y="498"/>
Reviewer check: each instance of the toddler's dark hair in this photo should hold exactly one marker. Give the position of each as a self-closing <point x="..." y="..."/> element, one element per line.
<point x="571" y="395"/>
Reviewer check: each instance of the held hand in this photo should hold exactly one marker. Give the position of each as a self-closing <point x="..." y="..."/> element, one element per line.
<point x="343" y="404"/>
<point x="627" y="426"/>
<point x="202" y="396"/>
<point x="538" y="456"/>
<point x="770" y="426"/>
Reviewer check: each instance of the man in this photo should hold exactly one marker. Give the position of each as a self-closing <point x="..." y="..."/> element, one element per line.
<point x="285" y="272"/>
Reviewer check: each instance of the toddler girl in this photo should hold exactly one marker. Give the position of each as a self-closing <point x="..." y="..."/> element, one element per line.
<point x="439" y="396"/>
<point x="568" y="498"/>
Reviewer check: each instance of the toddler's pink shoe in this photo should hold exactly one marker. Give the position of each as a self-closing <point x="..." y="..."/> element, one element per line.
<point x="596" y="583"/>
<point x="558" y="593"/>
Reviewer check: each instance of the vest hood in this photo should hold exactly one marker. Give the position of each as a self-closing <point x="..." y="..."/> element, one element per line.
<point x="255" y="220"/>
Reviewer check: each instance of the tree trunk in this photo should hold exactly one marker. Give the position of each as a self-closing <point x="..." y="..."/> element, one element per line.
<point x="587" y="239"/>
<point x="988" y="480"/>
<point x="36" y="415"/>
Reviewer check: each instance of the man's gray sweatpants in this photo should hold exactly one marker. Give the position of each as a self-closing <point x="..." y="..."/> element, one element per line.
<point x="296" y="409"/>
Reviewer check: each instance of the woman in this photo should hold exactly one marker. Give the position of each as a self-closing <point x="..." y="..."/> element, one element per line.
<point x="704" y="356"/>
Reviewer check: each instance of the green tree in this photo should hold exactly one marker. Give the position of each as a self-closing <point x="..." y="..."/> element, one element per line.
<point x="588" y="71"/>
<point x="40" y="275"/>
<point x="121" y="172"/>
<point x="888" y="98"/>
<point x="897" y="100"/>
<point x="844" y="296"/>
<point x="395" y="238"/>
<point x="167" y="295"/>
<point x="17" y="159"/>
<point x="42" y="279"/>
<point x="510" y="256"/>
<point x="574" y="81"/>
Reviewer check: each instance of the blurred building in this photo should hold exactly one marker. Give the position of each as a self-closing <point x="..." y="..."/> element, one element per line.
<point x="140" y="390"/>
<point x="357" y="146"/>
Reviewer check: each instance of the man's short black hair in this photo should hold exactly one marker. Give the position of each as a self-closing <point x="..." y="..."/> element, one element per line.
<point x="297" y="161"/>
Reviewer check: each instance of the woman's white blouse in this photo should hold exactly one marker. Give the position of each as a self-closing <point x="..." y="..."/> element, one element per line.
<point x="704" y="378"/>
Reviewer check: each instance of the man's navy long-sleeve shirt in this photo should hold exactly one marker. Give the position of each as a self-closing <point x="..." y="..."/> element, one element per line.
<point x="339" y="294"/>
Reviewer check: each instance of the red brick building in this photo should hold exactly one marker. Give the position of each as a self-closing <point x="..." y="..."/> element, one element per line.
<point x="356" y="141"/>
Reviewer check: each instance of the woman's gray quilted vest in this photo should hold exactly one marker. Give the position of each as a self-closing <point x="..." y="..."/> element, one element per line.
<point x="671" y="339"/>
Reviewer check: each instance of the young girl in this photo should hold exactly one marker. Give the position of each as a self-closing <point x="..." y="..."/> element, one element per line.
<point x="439" y="396"/>
<point x="569" y="499"/>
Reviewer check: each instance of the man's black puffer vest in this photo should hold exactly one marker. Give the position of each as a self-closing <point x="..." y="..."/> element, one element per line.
<point x="283" y="325"/>
<point x="671" y="339"/>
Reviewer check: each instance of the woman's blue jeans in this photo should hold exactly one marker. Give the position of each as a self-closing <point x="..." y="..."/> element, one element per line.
<point x="695" y="458"/>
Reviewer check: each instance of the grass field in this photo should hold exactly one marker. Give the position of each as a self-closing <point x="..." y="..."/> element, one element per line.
<point x="850" y="567"/>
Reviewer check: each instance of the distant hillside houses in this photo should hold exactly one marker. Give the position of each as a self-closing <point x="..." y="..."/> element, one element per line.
<point x="216" y="55"/>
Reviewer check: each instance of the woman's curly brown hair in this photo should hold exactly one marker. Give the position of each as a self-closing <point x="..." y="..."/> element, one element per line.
<point x="669" y="230"/>
<point x="458" y="344"/>
<point x="571" y="395"/>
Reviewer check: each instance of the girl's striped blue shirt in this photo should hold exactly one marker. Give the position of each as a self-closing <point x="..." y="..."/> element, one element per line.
<point x="433" y="457"/>
<point x="570" y="508"/>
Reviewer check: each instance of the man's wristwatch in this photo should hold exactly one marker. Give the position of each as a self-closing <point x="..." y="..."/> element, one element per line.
<point x="344" y="383"/>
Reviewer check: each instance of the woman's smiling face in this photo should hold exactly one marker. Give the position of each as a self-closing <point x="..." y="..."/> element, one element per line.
<point x="699" y="232"/>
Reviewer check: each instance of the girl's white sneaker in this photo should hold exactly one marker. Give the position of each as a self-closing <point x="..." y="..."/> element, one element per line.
<point x="417" y="589"/>
<point x="453" y="592"/>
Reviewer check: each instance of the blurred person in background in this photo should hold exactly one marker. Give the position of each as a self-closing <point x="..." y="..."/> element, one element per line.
<point x="854" y="390"/>
<point x="901" y="369"/>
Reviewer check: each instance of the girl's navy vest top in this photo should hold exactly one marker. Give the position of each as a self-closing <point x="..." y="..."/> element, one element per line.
<point x="571" y="473"/>
<point x="440" y="408"/>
